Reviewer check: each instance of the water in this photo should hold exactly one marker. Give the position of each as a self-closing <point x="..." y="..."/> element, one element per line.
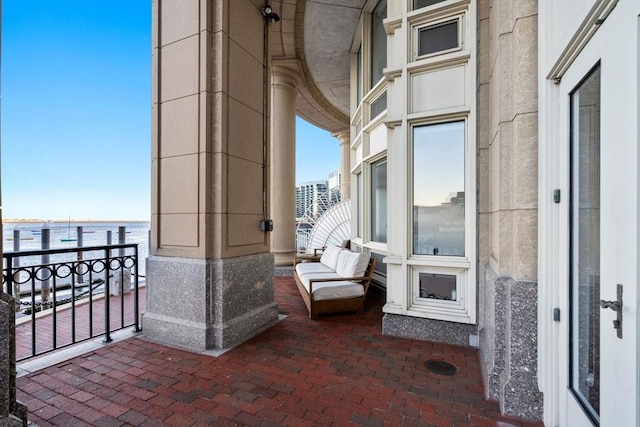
<point x="94" y="234"/>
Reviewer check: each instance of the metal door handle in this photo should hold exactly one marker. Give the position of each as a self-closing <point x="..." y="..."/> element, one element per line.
<point x="617" y="307"/>
<point x="613" y="305"/>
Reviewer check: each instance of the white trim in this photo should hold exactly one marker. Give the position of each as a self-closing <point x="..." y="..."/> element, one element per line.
<point x="591" y="23"/>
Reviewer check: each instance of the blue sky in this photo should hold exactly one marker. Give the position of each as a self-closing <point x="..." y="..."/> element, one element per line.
<point x="76" y="120"/>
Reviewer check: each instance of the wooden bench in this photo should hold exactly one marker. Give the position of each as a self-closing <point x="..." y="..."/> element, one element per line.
<point x="328" y="290"/>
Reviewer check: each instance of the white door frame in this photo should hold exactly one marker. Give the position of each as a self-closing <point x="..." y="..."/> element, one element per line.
<point x="615" y="43"/>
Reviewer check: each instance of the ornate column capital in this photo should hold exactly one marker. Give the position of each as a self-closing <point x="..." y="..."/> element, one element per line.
<point x="286" y="73"/>
<point x="344" y="136"/>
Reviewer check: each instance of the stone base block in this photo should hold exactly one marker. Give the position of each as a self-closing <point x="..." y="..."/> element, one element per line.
<point x="428" y="329"/>
<point x="508" y="344"/>
<point x="208" y="304"/>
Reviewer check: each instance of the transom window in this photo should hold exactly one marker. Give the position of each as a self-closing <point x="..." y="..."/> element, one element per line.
<point x="438" y="38"/>
<point x="419" y="4"/>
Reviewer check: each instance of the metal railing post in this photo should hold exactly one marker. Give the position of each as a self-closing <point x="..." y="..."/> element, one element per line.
<point x="136" y="309"/>
<point x="16" y="263"/>
<point x="45" y="285"/>
<point x="79" y="237"/>
<point x="107" y="298"/>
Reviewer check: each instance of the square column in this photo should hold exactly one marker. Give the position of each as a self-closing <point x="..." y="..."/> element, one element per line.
<point x="210" y="273"/>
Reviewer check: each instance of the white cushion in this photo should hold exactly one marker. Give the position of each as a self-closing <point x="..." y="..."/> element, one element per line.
<point x="312" y="267"/>
<point x="330" y="256"/>
<point x="331" y="290"/>
<point x="352" y="264"/>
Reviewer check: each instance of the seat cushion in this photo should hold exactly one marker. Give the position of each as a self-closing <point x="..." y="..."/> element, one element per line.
<point x="330" y="256"/>
<point x="331" y="290"/>
<point x="312" y="267"/>
<point x="352" y="264"/>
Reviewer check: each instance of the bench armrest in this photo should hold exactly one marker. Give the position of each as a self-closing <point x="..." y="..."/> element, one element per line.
<point x="308" y="258"/>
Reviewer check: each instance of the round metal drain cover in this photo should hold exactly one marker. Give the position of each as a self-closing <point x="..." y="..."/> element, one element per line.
<point x="440" y="367"/>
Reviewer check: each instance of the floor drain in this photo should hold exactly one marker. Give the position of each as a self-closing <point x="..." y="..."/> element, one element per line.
<point x="440" y="367"/>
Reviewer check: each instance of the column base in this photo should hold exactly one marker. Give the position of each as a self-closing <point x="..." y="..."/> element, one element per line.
<point x="12" y="412"/>
<point x="283" y="259"/>
<point x="508" y="350"/>
<point x="208" y="304"/>
<point x="428" y="329"/>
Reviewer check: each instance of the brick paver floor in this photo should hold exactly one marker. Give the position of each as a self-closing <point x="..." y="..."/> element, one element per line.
<point x="337" y="371"/>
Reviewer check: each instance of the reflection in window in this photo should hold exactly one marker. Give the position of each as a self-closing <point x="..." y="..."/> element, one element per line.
<point x="438" y="38"/>
<point x="379" y="201"/>
<point x="379" y="105"/>
<point x="378" y="42"/>
<point x="359" y="204"/>
<point x="438" y="286"/>
<point x="359" y="74"/>
<point x="438" y="189"/>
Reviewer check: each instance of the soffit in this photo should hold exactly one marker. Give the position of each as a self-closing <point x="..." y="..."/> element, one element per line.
<point x="319" y="34"/>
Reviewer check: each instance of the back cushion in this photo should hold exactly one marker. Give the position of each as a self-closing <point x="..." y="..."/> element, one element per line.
<point x="330" y="256"/>
<point x="352" y="264"/>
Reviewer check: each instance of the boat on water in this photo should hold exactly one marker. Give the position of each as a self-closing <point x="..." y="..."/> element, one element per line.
<point x="69" y="238"/>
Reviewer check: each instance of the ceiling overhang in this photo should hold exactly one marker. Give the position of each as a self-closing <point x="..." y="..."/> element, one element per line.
<point x="319" y="35"/>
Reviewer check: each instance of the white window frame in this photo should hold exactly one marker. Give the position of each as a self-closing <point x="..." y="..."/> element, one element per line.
<point x="416" y="36"/>
<point x="463" y="267"/>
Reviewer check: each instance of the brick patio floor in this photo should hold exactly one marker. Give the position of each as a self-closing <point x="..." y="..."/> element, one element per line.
<point x="337" y="371"/>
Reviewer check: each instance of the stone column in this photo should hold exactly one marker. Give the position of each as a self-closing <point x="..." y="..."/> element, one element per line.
<point x="508" y="204"/>
<point x="344" y="138"/>
<point x="210" y="273"/>
<point x="12" y="412"/>
<point x="285" y="79"/>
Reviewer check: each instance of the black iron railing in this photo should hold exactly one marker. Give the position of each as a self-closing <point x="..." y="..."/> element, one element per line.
<point x="68" y="293"/>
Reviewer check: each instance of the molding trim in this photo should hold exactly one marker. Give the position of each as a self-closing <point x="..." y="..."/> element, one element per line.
<point x="587" y="29"/>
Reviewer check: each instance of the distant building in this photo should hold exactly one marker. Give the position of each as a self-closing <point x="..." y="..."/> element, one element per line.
<point x="305" y="196"/>
<point x="335" y="186"/>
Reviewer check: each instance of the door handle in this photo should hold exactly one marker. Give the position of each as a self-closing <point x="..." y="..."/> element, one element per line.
<point x="613" y="305"/>
<point x="617" y="307"/>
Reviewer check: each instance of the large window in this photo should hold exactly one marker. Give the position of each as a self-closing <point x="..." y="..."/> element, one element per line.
<point x="378" y="42"/>
<point x="439" y="189"/>
<point x="379" y="201"/>
<point x="359" y="75"/>
<point x="359" y="205"/>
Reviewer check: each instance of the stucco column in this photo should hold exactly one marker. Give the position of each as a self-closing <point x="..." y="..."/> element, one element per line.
<point x="284" y="82"/>
<point x="345" y="163"/>
<point x="210" y="272"/>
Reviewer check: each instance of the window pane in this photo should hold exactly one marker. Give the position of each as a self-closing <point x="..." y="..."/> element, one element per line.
<point x="418" y="4"/>
<point x="438" y="38"/>
<point x="438" y="286"/>
<point x="585" y="242"/>
<point x="359" y="204"/>
<point x="378" y="42"/>
<point x="379" y="201"/>
<point x="438" y="189"/>
<point x="359" y="76"/>
<point x="379" y="105"/>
